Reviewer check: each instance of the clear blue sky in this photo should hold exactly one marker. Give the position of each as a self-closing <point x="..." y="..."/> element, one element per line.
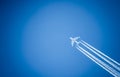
<point x="35" y="36"/>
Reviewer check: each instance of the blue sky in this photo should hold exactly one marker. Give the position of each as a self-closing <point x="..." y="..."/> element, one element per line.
<point x="35" y="37"/>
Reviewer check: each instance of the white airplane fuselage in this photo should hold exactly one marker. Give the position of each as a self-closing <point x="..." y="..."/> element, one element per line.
<point x="74" y="40"/>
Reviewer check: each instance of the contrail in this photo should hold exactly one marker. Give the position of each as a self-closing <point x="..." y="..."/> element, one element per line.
<point x="102" y="56"/>
<point x="104" y="61"/>
<point x="101" y="53"/>
<point x="99" y="62"/>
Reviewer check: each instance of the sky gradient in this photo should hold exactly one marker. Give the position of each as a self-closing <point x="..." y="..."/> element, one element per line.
<point x="35" y="37"/>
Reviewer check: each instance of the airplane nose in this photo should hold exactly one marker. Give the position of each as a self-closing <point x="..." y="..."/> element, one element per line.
<point x="70" y="38"/>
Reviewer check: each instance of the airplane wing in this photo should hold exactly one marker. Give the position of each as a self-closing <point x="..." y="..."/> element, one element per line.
<point x="77" y="38"/>
<point x="72" y="43"/>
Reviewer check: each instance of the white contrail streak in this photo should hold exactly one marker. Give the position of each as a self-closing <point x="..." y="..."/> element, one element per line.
<point x="102" y="56"/>
<point x="101" y="53"/>
<point x="99" y="62"/>
<point x="107" y="63"/>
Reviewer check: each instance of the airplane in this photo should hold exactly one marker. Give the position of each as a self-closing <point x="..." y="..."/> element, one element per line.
<point x="74" y="40"/>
